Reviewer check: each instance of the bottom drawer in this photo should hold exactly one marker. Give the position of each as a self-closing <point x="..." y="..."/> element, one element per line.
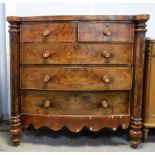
<point x="74" y="103"/>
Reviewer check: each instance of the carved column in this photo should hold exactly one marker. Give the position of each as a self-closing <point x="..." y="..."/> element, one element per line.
<point x="136" y="107"/>
<point x="14" y="70"/>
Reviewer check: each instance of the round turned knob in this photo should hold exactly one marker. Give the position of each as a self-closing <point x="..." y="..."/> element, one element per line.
<point x="104" y="104"/>
<point x="106" y="54"/>
<point x="106" y="79"/>
<point x="46" y="78"/>
<point x="46" y="33"/>
<point x="107" y="32"/>
<point x="47" y="104"/>
<point x="46" y="54"/>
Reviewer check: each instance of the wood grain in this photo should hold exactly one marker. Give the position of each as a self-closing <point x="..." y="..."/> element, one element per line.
<point x="76" y="123"/>
<point x="69" y="79"/>
<point x="15" y="123"/>
<point x="118" y="18"/>
<point x="58" y="32"/>
<point x="136" y="107"/>
<point x="76" y="78"/>
<point x="75" y="103"/>
<point x="76" y="53"/>
<point x="90" y="32"/>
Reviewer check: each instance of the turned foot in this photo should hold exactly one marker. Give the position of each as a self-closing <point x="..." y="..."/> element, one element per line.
<point x="15" y="130"/>
<point x="135" y="132"/>
<point x="145" y="134"/>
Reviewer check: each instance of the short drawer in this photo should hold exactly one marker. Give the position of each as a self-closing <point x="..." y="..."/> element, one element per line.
<point x="48" y="32"/>
<point x="74" y="103"/>
<point x="92" y="32"/>
<point x="76" y="78"/>
<point x="56" y="53"/>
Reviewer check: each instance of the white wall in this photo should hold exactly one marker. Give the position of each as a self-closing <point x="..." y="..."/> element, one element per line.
<point x="1" y="38"/>
<point x="3" y="66"/>
<point x="89" y="9"/>
<point x="76" y="9"/>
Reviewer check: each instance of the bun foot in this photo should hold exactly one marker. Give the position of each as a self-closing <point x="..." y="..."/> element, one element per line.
<point x="15" y="142"/>
<point x="134" y="144"/>
<point x="15" y="130"/>
<point x="135" y="132"/>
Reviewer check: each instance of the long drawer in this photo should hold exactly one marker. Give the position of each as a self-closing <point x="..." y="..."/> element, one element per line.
<point x="74" y="103"/>
<point x="66" y="53"/>
<point x="76" y="78"/>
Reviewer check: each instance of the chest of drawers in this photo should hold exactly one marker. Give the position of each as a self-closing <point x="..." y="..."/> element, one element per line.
<point x="77" y="72"/>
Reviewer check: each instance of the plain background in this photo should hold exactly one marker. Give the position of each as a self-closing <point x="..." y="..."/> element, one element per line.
<point x="31" y="9"/>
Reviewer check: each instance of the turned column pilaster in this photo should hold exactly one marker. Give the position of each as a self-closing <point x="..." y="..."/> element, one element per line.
<point x="136" y="105"/>
<point x="14" y="73"/>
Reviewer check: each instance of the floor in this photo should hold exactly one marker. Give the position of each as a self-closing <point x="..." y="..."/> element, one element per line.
<point x="64" y="141"/>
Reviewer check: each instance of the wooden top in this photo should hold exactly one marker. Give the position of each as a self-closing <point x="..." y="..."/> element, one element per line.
<point x="81" y="17"/>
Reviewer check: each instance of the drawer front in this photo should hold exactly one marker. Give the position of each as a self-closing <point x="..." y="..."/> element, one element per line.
<point x="74" y="103"/>
<point x="44" y="32"/>
<point x="89" y="32"/>
<point x="76" y="78"/>
<point x="48" y="53"/>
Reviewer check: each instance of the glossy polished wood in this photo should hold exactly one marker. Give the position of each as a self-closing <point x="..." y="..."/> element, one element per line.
<point x="75" y="123"/>
<point x="90" y="32"/>
<point x="14" y="72"/>
<point x="76" y="78"/>
<point x="139" y="17"/>
<point x="149" y="91"/>
<point x="90" y="68"/>
<point x="136" y="110"/>
<point x="45" y="32"/>
<point x="76" y="53"/>
<point x="75" y="103"/>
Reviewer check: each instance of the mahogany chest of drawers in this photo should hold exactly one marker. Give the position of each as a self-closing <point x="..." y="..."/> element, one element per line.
<point x="149" y="88"/>
<point x="76" y="72"/>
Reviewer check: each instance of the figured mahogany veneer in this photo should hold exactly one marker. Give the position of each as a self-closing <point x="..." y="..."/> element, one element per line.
<point x="56" y="53"/>
<point x="46" y="32"/>
<point x="76" y="78"/>
<point x="77" y="72"/>
<point x="105" y="32"/>
<point x="69" y="103"/>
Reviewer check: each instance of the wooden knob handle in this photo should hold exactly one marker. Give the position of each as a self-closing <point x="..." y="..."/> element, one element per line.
<point x="107" y="32"/>
<point x="106" y="54"/>
<point x="106" y="79"/>
<point x="46" y="33"/>
<point x="47" y="104"/>
<point x="46" y="78"/>
<point x="46" y="54"/>
<point x="104" y="104"/>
